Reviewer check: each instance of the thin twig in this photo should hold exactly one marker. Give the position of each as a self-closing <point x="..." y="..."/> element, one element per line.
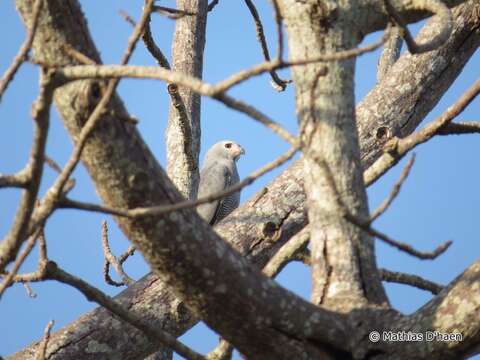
<point x="54" y="193"/>
<point x="129" y="252"/>
<point x="410" y="279"/>
<point x="424" y="255"/>
<point x="365" y="225"/>
<point x="267" y="66"/>
<point x="395" y="190"/>
<point x="24" y="49"/>
<point x="52" y="164"/>
<point x="79" y="72"/>
<point x="212" y="5"/>
<point x="20" y="228"/>
<point x="9" y="278"/>
<point x="279" y="84"/>
<point x="111" y="259"/>
<point x="42" y="351"/>
<point x="458" y="128"/>
<point x="94" y="294"/>
<point x="170" y="13"/>
<point x="152" y="48"/>
<point x="258" y="116"/>
<point x="164" y="209"/>
<point x="77" y="55"/>
<point x="37" y="275"/>
<point x="278" y="21"/>
<point x="29" y="290"/>
<point x="436" y="7"/>
<point x="127" y="18"/>
<point x="396" y="148"/>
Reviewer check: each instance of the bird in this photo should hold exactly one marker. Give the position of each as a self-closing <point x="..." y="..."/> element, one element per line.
<point x="219" y="172"/>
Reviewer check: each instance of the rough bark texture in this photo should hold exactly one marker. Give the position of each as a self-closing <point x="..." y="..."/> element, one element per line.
<point x="378" y="115"/>
<point x="344" y="273"/>
<point x="183" y="134"/>
<point x="256" y="229"/>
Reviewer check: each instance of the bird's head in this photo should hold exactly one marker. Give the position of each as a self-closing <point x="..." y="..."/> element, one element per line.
<point x="227" y="149"/>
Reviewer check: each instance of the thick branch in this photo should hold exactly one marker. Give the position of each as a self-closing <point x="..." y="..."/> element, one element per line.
<point x="262" y="225"/>
<point x="183" y="131"/>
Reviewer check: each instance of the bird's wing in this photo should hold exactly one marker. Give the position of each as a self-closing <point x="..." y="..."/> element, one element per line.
<point x="213" y="179"/>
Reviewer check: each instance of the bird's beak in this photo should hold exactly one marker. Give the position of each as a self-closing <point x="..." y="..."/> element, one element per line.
<point x="239" y="151"/>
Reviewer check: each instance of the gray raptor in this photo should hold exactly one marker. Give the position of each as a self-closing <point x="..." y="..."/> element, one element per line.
<point x="218" y="173"/>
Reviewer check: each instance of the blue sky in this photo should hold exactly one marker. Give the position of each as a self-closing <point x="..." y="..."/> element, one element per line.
<point x="439" y="201"/>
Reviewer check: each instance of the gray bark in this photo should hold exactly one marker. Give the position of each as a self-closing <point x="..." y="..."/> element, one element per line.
<point x="279" y="218"/>
<point x="344" y="273"/>
<point x="183" y="131"/>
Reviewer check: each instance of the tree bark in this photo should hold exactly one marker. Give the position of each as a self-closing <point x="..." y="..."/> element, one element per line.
<point x="344" y="273"/>
<point x="278" y="216"/>
<point x="183" y="131"/>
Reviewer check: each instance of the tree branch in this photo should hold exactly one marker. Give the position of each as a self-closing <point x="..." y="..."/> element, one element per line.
<point x="24" y="49"/>
<point x="435" y="7"/>
<point x="183" y="129"/>
<point x="93" y="294"/>
<point x="10" y="245"/>
<point x="396" y="149"/>
<point x="395" y="191"/>
<point x="282" y="213"/>
<point x="410" y="279"/>
<point x="278" y="83"/>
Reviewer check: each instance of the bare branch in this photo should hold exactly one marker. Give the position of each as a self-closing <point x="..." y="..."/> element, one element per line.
<point x="53" y="194"/>
<point x="396" y="148"/>
<point x="164" y="209"/>
<point x="152" y="48"/>
<point x="435" y="7"/>
<point x="366" y="225"/>
<point x="37" y="275"/>
<point x="430" y="255"/>
<point x="42" y="351"/>
<point x="267" y="66"/>
<point x="52" y="164"/>
<point x="129" y="252"/>
<point x="170" y="13"/>
<point x="24" y="49"/>
<point x="127" y="18"/>
<point x="18" y="180"/>
<point x="183" y="131"/>
<point x="458" y="128"/>
<point x="29" y="291"/>
<point x="77" y="55"/>
<point x="93" y="294"/>
<point x="71" y="73"/>
<point x="19" y="231"/>
<point x="390" y="54"/>
<point x="410" y="279"/>
<point x="279" y="84"/>
<point x="9" y="278"/>
<point x="212" y="5"/>
<point x="395" y="191"/>
<point x="111" y="259"/>
<point x="257" y="115"/>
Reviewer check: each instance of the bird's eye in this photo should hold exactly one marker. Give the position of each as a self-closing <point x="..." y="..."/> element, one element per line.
<point x="228" y="145"/>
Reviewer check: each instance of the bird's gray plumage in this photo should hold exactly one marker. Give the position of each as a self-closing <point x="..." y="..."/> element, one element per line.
<point x="218" y="173"/>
